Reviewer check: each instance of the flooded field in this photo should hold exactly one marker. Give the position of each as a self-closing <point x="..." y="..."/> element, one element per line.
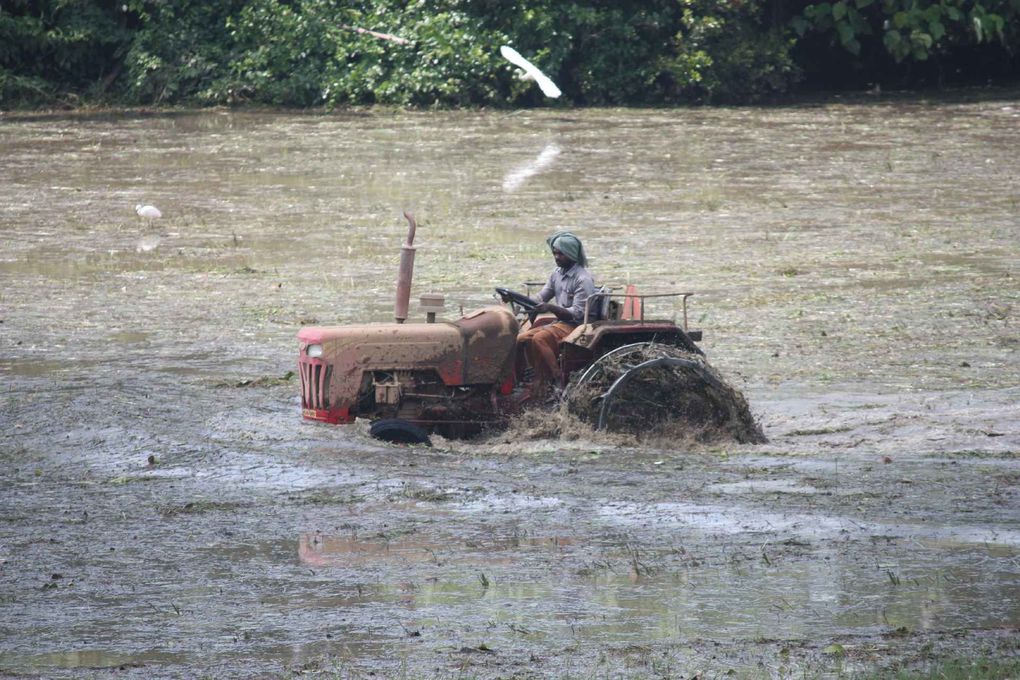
<point x="165" y="512"/>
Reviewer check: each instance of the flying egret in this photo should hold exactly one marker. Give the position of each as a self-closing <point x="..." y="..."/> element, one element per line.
<point x="149" y="212"/>
<point x="531" y="71"/>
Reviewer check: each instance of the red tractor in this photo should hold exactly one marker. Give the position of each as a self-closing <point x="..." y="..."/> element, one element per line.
<point x="458" y="378"/>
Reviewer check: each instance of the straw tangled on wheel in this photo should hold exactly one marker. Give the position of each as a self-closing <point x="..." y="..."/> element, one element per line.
<point x="691" y="401"/>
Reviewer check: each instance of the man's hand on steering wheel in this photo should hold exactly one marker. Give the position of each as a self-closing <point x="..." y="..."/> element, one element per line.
<point x="522" y="301"/>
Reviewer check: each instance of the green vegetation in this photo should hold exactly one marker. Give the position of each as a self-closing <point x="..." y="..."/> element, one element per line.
<point x="913" y="30"/>
<point x="199" y="506"/>
<point x="955" y="669"/>
<point x="654" y="665"/>
<point x="333" y="53"/>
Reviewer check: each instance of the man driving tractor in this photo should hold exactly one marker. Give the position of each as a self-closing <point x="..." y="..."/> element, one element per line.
<point x="570" y="285"/>
<point x="453" y="377"/>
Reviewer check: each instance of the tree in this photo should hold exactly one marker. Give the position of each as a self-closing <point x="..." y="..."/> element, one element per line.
<point x="951" y="32"/>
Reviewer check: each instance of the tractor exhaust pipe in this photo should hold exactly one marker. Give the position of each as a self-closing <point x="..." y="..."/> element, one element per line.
<point x="405" y="272"/>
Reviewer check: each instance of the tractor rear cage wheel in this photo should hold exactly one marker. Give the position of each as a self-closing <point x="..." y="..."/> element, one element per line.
<point x="607" y="398"/>
<point x="596" y="365"/>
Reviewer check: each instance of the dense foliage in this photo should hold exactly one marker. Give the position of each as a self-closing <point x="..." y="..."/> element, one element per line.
<point x="976" y="36"/>
<point x="445" y="52"/>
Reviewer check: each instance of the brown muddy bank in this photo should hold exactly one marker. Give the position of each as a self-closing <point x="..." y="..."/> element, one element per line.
<point x="166" y="513"/>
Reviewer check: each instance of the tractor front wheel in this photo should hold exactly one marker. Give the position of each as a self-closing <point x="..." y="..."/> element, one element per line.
<point x="398" y="431"/>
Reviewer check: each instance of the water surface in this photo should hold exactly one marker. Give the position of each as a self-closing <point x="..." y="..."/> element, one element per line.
<point x="855" y="269"/>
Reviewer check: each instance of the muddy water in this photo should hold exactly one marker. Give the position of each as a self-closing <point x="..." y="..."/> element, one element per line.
<point x="855" y="268"/>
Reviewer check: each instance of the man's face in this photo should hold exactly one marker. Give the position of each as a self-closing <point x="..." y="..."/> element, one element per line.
<point x="561" y="259"/>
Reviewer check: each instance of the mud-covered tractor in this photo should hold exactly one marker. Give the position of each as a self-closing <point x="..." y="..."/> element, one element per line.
<point x="459" y="378"/>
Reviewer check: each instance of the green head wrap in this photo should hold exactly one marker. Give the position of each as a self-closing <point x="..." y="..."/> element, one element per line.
<point x="569" y="245"/>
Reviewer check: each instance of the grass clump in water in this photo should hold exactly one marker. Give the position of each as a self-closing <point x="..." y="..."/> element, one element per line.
<point x="198" y="507"/>
<point x="952" y="669"/>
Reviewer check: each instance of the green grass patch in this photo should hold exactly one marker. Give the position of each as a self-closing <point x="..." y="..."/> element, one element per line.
<point x="134" y="479"/>
<point x="427" y="495"/>
<point x="822" y="430"/>
<point x="198" y="507"/>
<point x="322" y="497"/>
<point x="953" y="669"/>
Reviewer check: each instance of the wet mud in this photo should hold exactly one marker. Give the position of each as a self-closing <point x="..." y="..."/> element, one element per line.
<point x="165" y="512"/>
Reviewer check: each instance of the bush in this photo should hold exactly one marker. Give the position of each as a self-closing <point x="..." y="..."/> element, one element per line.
<point x="969" y="39"/>
<point x="51" y="52"/>
<point x="445" y="52"/>
<point x="179" y="51"/>
<point x="728" y="52"/>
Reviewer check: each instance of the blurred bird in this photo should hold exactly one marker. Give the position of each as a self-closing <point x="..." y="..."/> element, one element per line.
<point x="530" y="71"/>
<point x="147" y="244"/>
<point x="516" y="177"/>
<point x="148" y="212"/>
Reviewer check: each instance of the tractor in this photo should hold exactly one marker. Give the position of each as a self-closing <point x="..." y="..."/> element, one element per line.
<point x="459" y="378"/>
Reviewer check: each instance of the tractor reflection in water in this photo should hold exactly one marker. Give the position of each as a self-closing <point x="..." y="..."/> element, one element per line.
<point x="459" y="378"/>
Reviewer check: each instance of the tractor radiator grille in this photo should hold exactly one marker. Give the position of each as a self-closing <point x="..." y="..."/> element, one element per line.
<point x="315" y="375"/>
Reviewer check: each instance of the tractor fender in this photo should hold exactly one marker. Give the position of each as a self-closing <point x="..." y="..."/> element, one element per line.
<point x="602" y="336"/>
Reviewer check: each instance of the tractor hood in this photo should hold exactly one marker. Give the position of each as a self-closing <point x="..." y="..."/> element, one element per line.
<point x="474" y="349"/>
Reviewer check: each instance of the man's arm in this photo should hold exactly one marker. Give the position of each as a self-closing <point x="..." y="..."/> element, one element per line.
<point x="561" y="313"/>
<point x="584" y="287"/>
<point x="546" y="293"/>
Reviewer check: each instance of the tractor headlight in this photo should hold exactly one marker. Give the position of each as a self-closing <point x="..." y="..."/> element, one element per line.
<point x="313" y="350"/>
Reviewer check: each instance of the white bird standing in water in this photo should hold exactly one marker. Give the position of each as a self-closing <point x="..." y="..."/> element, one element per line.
<point x="531" y="71"/>
<point x="149" y="212"/>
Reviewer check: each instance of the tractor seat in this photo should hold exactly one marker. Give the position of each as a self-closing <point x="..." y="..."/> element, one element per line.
<point x="599" y="305"/>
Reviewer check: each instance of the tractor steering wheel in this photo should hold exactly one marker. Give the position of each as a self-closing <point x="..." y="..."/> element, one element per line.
<point x="520" y="304"/>
<point x="515" y="298"/>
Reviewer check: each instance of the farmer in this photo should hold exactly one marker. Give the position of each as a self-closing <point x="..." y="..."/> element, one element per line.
<point x="569" y="285"/>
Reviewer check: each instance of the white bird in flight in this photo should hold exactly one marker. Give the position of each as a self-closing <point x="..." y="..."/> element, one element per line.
<point x="149" y="212"/>
<point x="531" y="71"/>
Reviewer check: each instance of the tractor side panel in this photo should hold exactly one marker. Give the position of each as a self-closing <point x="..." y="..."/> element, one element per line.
<point x="490" y="335"/>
